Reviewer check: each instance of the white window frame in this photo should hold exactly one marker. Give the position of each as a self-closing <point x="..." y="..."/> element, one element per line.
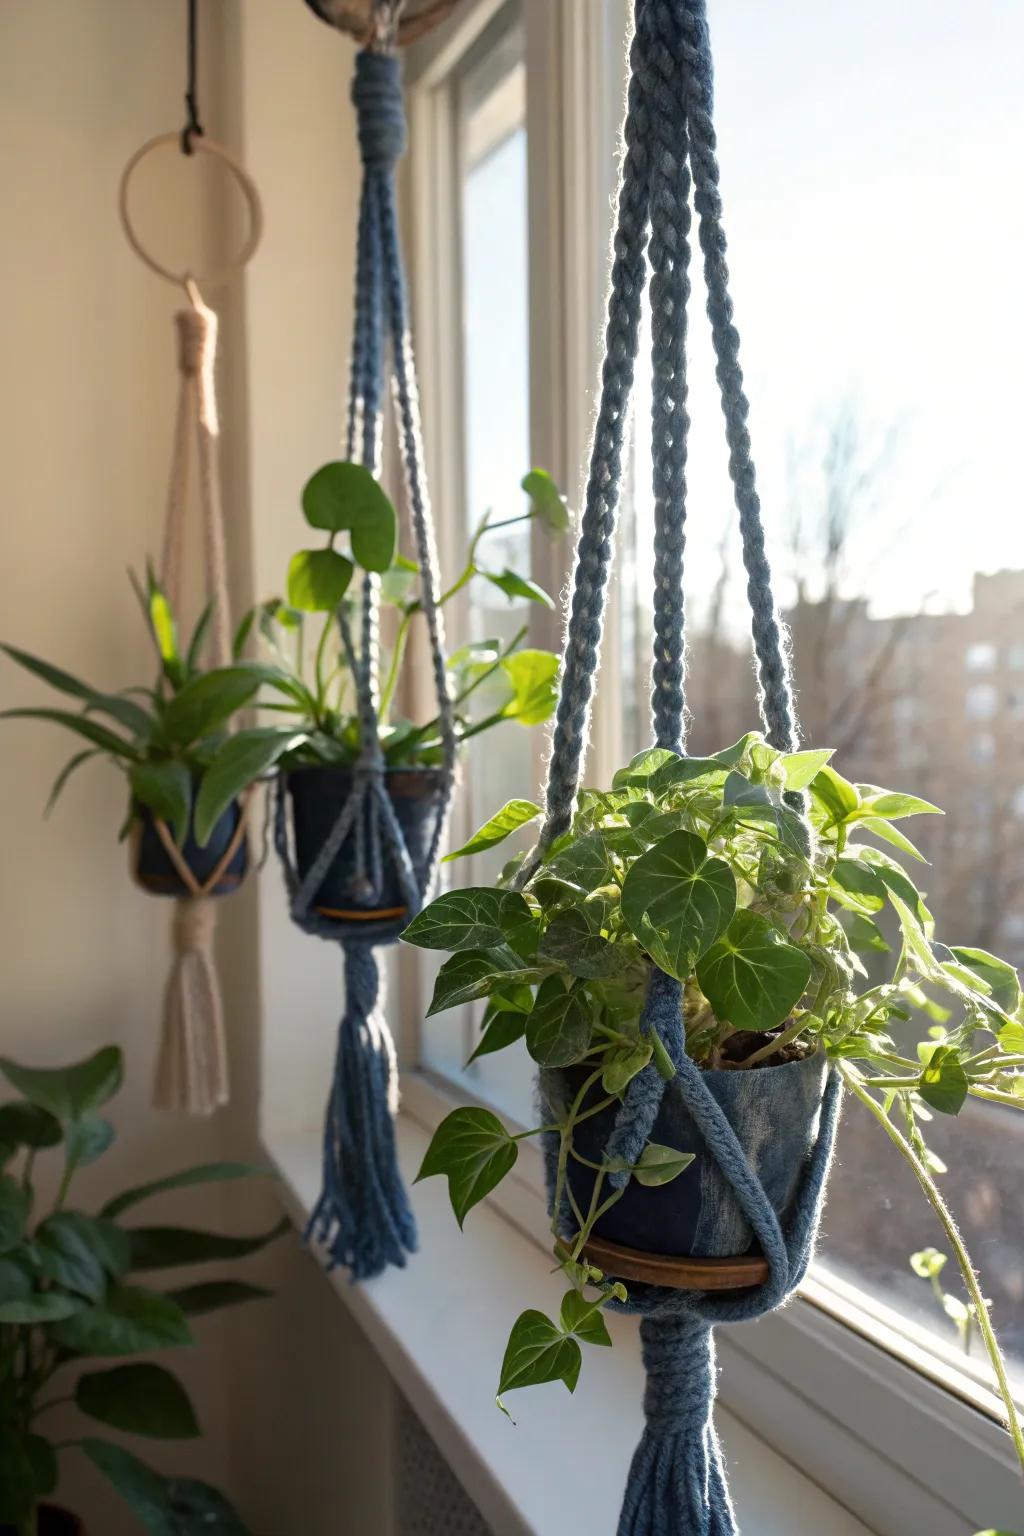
<point x="891" y="1424"/>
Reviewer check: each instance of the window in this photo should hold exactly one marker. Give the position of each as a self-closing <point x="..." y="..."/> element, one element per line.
<point x="882" y="451"/>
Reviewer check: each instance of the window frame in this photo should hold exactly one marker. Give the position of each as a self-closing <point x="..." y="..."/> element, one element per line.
<point x="834" y="1382"/>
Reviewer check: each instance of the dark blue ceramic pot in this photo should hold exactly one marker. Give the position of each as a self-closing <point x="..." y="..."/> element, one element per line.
<point x="318" y="797"/>
<point x="774" y="1112"/>
<point x="155" y="870"/>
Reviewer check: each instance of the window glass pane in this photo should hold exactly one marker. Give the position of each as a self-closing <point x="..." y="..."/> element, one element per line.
<point x="490" y="114"/>
<point x="885" y="439"/>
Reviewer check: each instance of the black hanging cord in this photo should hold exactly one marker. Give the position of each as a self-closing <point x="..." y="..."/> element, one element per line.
<point x="193" y="127"/>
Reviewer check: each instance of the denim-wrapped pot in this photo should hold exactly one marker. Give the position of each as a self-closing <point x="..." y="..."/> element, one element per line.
<point x="774" y="1112"/>
<point x="155" y="870"/>
<point x="318" y="797"/>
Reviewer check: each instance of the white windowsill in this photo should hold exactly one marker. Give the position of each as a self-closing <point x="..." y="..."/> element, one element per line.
<point x="439" y="1327"/>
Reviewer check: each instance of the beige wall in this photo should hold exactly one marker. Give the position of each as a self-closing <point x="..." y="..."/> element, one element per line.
<point x="296" y="1412"/>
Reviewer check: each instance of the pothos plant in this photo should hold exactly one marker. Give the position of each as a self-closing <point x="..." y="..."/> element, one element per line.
<point x="162" y="736"/>
<point x="700" y="867"/>
<point x="74" y="1304"/>
<point x="490" y="681"/>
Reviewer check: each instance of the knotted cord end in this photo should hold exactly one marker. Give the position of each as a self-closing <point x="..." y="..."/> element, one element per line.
<point x="380" y="108"/>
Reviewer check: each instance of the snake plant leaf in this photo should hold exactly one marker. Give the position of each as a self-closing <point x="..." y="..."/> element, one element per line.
<point x="513" y="585"/>
<point x="558" y="1029"/>
<point x="245" y="757"/>
<point x="130" y="1321"/>
<point x="188" y="1178"/>
<point x="581" y="1317"/>
<point x="165" y="788"/>
<point x="660" y="1165"/>
<point x="533" y="676"/>
<point x="677" y="900"/>
<point x="513" y="815"/>
<point x="318" y="580"/>
<point x="140" y="1398"/>
<point x="537" y="1352"/>
<point x="752" y="977"/>
<point x="68" y="1093"/>
<point x="547" y="503"/>
<point x="477" y="917"/>
<point x="474" y="1151"/>
<point x="345" y="497"/>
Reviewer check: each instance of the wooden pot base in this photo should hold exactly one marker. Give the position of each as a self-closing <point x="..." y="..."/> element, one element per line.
<point x="677" y="1273"/>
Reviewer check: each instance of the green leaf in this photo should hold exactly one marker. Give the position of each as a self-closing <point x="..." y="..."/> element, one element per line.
<point x="201" y="1510"/>
<point x="547" y="502"/>
<point x="584" y="862"/>
<point x="42" y="1307"/>
<point x="997" y="976"/>
<point x="478" y="917"/>
<point x="162" y="1247"/>
<point x="144" y="1491"/>
<point x="512" y="816"/>
<point x="242" y="634"/>
<point x="130" y="1321"/>
<point x="199" y="634"/>
<point x="533" y="676"/>
<point x="471" y="974"/>
<point x="166" y="788"/>
<point x="642" y="768"/>
<point x="245" y="757"/>
<point x="538" y="1352"/>
<point x="660" y="1165"/>
<point x="863" y="934"/>
<point x="835" y="795"/>
<point x="16" y="1276"/>
<point x="68" y="1093"/>
<point x="578" y="1316"/>
<point x="318" y="580"/>
<point x="141" y="1399"/>
<point x="752" y="977"/>
<point x="213" y="1295"/>
<point x="397" y="582"/>
<point x="202" y="1173"/>
<point x="799" y="768"/>
<point x="856" y="886"/>
<point x="26" y="1125"/>
<point x="502" y="1028"/>
<point x="15" y="1204"/>
<point x="894" y="836"/>
<point x="622" y="1063"/>
<point x="558" y="1029"/>
<point x="677" y="900"/>
<point x="928" y="1264"/>
<point x="82" y="725"/>
<point x="208" y="701"/>
<point x="344" y="496"/>
<point x="474" y="1151"/>
<point x="514" y="585"/>
<point x="943" y="1081"/>
<point x="71" y="766"/>
<point x="573" y="941"/>
<point x="79" y="1252"/>
<point x="884" y="805"/>
<point x="64" y="682"/>
<point x="18" y="1486"/>
<point x="163" y="627"/>
<point x="88" y="1139"/>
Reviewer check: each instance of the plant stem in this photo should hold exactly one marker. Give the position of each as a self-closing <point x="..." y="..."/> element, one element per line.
<point x="935" y="1198"/>
<point x="318" y="671"/>
<point x="779" y="1042"/>
<point x="397" y="657"/>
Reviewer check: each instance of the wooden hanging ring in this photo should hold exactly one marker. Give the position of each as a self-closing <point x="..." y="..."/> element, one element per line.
<point x="677" y="1273"/>
<point x="356" y="18"/>
<point x="203" y="146"/>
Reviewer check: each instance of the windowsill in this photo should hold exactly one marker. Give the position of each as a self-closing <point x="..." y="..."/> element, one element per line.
<point x="439" y="1327"/>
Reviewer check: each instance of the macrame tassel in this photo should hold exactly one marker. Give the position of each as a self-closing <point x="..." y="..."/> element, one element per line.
<point x="192" y="1068"/>
<point x="676" y="1481"/>
<point x="363" y="1216"/>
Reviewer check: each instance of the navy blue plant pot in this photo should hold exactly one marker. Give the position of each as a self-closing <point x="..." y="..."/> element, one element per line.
<point x="154" y="869"/>
<point x="774" y="1112"/>
<point x="318" y="797"/>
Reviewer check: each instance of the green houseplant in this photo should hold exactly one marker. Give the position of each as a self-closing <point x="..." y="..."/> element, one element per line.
<point x="71" y="1297"/>
<point x="317" y="742"/>
<point x="700" y="867"/>
<point x="163" y="738"/>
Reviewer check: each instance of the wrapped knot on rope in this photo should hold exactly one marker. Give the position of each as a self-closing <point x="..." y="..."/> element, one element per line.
<point x="677" y="1483"/>
<point x="363" y="1217"/>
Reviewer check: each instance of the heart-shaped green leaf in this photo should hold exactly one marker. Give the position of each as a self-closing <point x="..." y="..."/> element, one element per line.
<point x="26" y="1125"/>
<point x="130" y="1321"/>
<point x="547" y="502"/>
<point x="622" y="1063"/>
<point x="41" y="1307"/>
<point x="799" y="768"/>
<point x="537" y="1352"/>
<point x="142" y="1399"/>
<point x="472" y="974"/>
<point x="474" y="1151"/>
<point x="677" y="899"/>
<point x="477" y="917"/>
<point x="513" y="585"/>
<point x="753" y="978"/>
<point x="79" y="1252"/>
<point x="502" y="1028"/>
<point x="997" y="975"/>
<point x="572" y="939"/>
<point x="318" y="580"/>
<point x="558" y="1029"/>
<point x="943" y="1081"/>
<point x="344" y="496"/>
<point x="534" y="679"/>
<point x="68" y="1093"/>
<point x="660" y="1165"/>
<point x="579" y="1316"/>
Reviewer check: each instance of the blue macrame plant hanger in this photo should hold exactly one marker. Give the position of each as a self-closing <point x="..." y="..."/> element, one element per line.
<point x="677" y="1483"/>
<point x="363" y="1217"/>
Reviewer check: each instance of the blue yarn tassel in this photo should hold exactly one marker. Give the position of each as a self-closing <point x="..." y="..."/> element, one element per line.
<point x="363" y="1216"/>
<point x="677" y="1478"/>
